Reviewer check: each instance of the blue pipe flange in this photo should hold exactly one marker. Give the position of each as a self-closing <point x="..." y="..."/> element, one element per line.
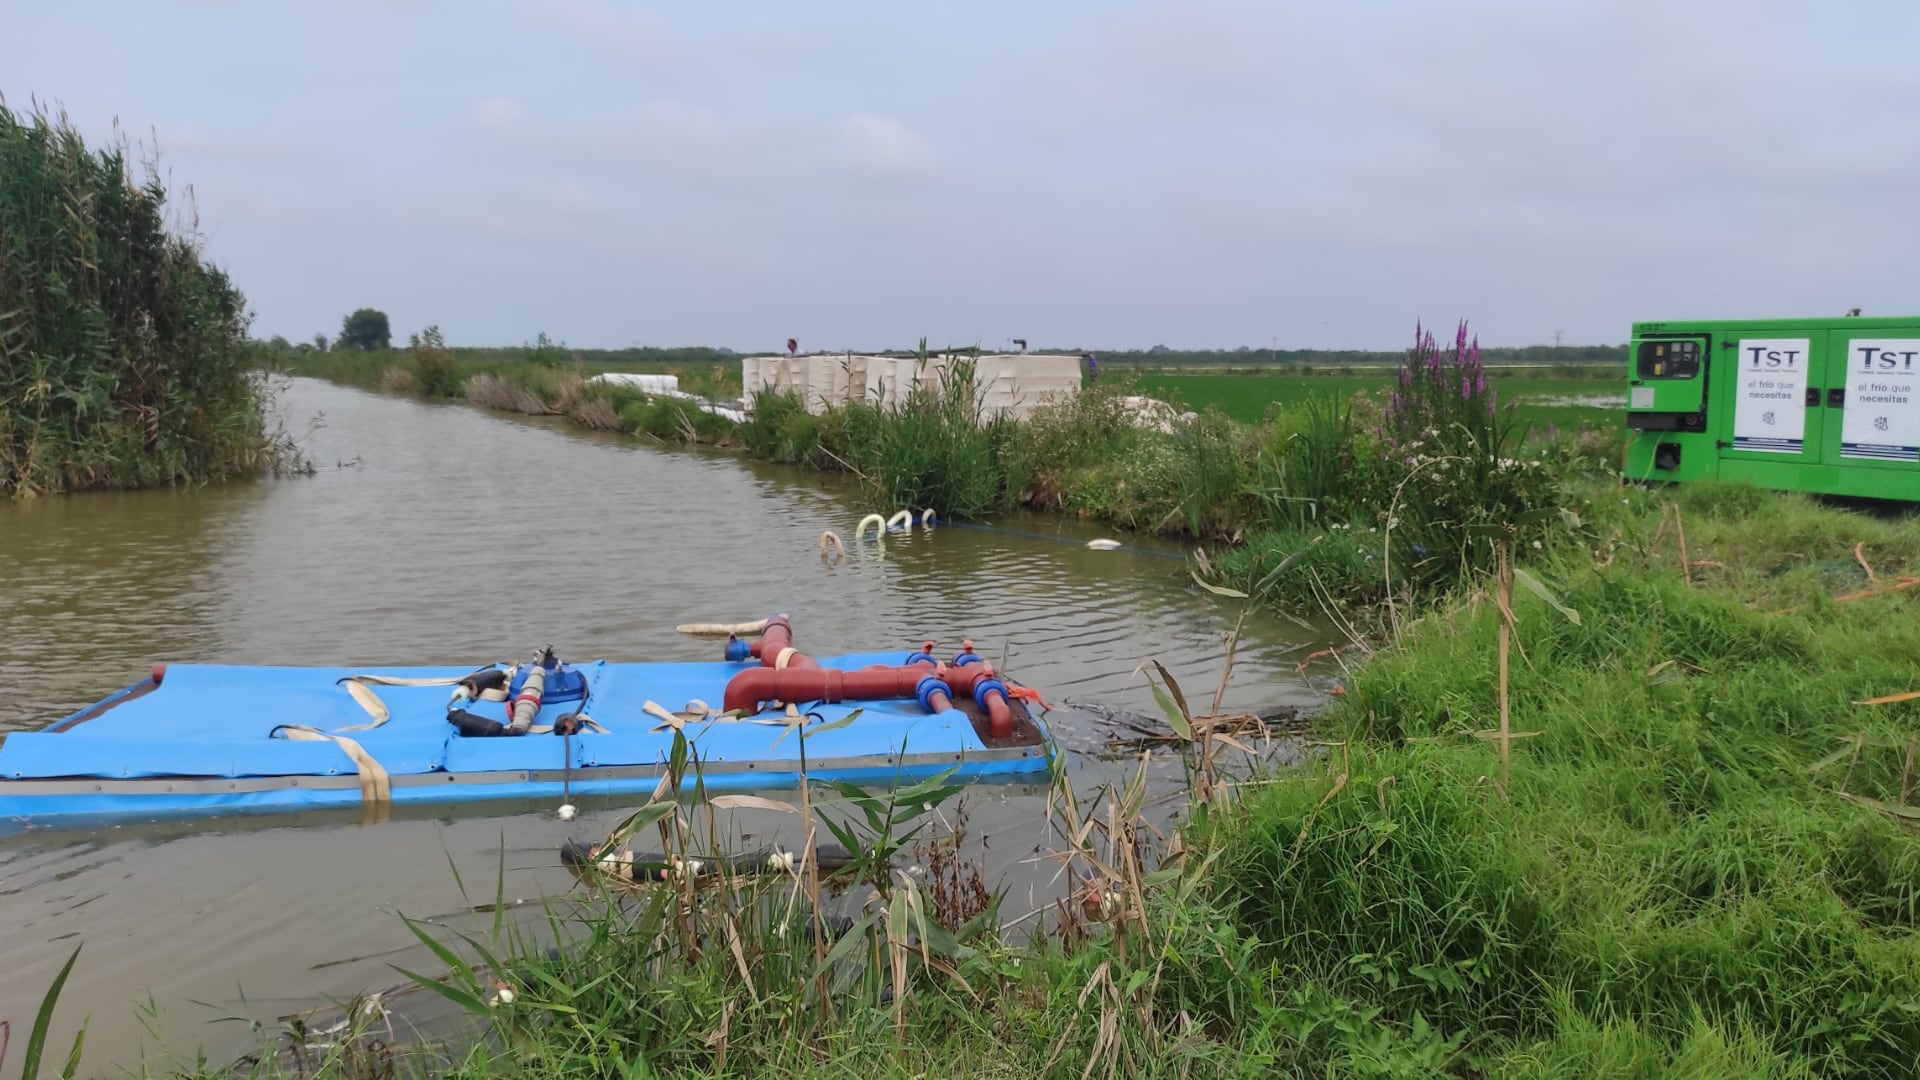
<point x="986" y="686"/>
<point x="928" y="687"/>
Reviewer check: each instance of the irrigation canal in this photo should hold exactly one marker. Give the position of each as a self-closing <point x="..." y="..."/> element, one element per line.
<point x="442" y="534"/>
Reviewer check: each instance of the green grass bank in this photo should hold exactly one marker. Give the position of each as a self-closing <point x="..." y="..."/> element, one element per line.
<point x="124" y="359"/>
<point x="1564" y="397"/>
<point x="1698" y="857"/>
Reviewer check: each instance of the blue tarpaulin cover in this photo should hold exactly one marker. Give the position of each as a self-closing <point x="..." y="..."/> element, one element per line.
<point x="208" y="723"/>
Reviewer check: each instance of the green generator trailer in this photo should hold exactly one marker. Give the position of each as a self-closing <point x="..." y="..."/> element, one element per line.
<point x="1828" y="406"/>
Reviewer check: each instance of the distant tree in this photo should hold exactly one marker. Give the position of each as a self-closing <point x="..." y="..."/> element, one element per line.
<point x="279" y="344"/>
<point x="320" y="342"/>
<point x="546" y="352"/>
<point x="365" y="329"/>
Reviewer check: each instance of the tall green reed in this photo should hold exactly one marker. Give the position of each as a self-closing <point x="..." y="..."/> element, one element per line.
<point x="124" y="360"/>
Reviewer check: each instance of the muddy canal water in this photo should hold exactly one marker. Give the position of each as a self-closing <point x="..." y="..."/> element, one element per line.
<point x="441" y="534"/>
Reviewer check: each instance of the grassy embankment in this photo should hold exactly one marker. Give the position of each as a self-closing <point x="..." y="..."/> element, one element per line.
<point x="1694" y="856"/>
<point x="124" y="359"/>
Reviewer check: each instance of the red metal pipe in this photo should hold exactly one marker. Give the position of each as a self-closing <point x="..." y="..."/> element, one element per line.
<point x="755" y="686"/>
<point x="803" y="679"/>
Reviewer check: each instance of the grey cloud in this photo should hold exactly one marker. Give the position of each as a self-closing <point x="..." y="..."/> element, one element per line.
<point x="1220" y="172"/>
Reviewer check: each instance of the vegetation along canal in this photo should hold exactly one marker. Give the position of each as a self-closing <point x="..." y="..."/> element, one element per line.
<point x="441" y="534"/>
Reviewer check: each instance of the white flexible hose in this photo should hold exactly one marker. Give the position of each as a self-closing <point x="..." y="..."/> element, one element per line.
<point x="831" y="545"/>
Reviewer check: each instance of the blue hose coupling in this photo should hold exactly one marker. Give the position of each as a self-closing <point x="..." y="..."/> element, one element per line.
<point x="738" y="650"/>
<point x="928" y="687"/>
<point x="961" y="660"/>
<point x="920" y="658"/>
<point x="987" y="686"/>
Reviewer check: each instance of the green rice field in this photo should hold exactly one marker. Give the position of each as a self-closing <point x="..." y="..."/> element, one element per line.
<point x="1546" y="397"/>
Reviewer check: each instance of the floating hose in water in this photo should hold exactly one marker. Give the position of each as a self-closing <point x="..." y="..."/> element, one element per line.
<point x="722" y="629"/>
<point x="831" y="540"/>
<point x="656" y="866"/>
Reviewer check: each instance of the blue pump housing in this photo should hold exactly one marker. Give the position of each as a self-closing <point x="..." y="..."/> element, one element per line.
<point x="564" y="683"/>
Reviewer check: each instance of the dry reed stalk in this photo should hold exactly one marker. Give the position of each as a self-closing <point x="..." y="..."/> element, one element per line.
<point x="1891" y="699"/>
<point x="1900" y="586"/>
<point x="1906" y="774"/>
<point x="813" y="884"/>
<point x="597" y="414"/>
<point x="1680" y="530"/>
<point x="491" y="391"/>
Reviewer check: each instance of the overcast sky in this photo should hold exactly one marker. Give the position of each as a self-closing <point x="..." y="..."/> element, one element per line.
<point x="1078" y="174"/>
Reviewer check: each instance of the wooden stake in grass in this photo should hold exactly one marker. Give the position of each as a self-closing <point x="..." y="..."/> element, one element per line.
<point x="1506" y="641"/>
<point x="1680" y="531"/>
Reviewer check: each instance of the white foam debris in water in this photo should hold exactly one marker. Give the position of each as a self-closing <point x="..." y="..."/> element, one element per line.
<point x="567" y="811"/>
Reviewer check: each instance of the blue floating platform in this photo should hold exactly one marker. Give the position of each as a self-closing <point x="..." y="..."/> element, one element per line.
<point x="208" y="739"/>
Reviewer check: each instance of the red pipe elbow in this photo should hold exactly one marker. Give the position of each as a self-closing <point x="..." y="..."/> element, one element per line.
<point x="999" y="715"/>
<point x="775" y="639"/>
